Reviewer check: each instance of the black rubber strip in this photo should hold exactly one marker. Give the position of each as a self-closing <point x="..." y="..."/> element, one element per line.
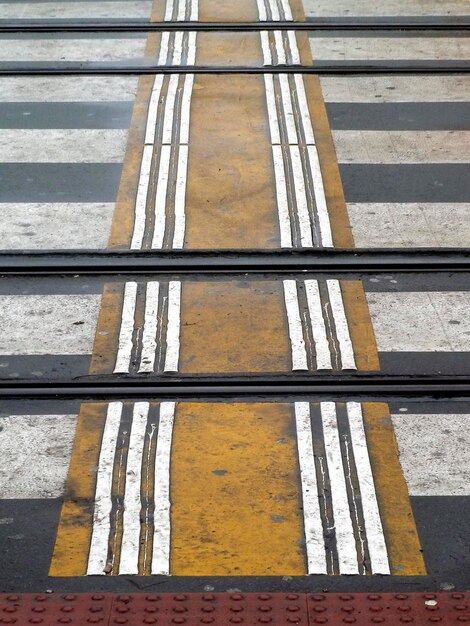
<point x="101" y="26"/>
<point x="334" y="386"/>
<point x="230" y="261"/>
<point x="330" y="69"/>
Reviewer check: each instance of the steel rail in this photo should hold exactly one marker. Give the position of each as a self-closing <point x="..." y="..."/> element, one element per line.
<point x="31" y="263"/>
<point x="352" y="24"/>
<point x="324" y="69"/>
<point x="222" y="387"/>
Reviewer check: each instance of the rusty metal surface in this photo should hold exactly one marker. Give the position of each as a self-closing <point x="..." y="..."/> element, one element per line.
<point x="249" y="609"/>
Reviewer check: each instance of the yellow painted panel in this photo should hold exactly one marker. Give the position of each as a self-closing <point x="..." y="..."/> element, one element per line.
<point x="339" y="218"/>
<point x="233" y="326"/>
<point x="404" y="548"/>
<point x="73" y="538"/>
<point x="123" y="218"/>
<point x="236" y="501"/>
<point x="107" y="330"/>
<point x="360" y="325"/>
<point x="231" y="194"/>
<point x="217" y="11"/>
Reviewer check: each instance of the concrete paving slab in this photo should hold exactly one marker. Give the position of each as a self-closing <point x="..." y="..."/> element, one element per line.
<point x="35" y="453"/>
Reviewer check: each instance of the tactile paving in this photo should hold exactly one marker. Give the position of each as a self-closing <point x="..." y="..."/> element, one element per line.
<point x="246" y="609"/>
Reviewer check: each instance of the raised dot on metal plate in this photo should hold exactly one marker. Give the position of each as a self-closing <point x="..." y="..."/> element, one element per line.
<point x="124" y="598"/>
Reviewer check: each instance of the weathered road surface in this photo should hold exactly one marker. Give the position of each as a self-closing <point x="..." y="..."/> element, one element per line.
<point x="258" y="443"/>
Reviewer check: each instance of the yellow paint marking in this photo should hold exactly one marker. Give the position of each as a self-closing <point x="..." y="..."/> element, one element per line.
<point x="123" y="219"/>
<point x="404" y="548"/>
<point x="107" y="329"/>
<point x="236" y="206"/>
<point x="233" y="326"/>
<point x="339" y="218"/>
<point x="230" y="143"/>
<point x="236" y="504"/>
<point x="216" y="11"/>
<point x="360" y="325"/>
<point x="73" y="539"/>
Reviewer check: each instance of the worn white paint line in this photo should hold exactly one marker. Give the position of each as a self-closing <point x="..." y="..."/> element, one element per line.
<point x="275" y="15"/>
<point x="178" y="48"/>
<point x="341" y="324"/>
<point x="303" y="214"/>
<point x="363" y="8"/>
<point x="169" y="11"/>
<point x="345" y="542"/>
<point x="191" y="51"/>
<point x="410" y="146"/>
<point x="287" y="10"/>
<point x="170" y="110"/>
<point x="48" y="324"/>
<point x="117" y="48"/>
<point x="435" y="458"/>
<point x="314" y="542"/>
<point x="149" y="335"/>
<point x="180" y="198"/>
<point x="396" y="88"/>
<point x="98" y="553"/>
<point x="430" y="321"/>
<point x="373" y="523"/>
<point x="160" y="197"/>
<point x="288" y="110"/>
<point x="26" y="441"/>
<point x="79" y="10"/>
<point x="173" y="327"/>
<point x="69" y="145"/>
<point x="303" y="109"/>
<point x="140" y="214"/>
<point x="194" y="10"/>
<point x="164" y="48"/>
<point x="280" y="50"/>
<point x="125" y="344"/>
<point x="294" y="49"/>
<point x="68" y="88"/>
<point x="281" y="198"/>
<point x="156" y="90"/>
<point x="172" y="91"/>
<point x="299" y="353"/>
<point x="262" y="11"/>
<point x="387" y="48"/>
<point x="181" y="16"/>
<point x="322" y="347"/>
<point x="186" y="108"/>
<point x="272" y="109"/>
<point x="162" y="522"/>
<point x="267" y="57"/>
<point x="152" y="114"/>
<point x="130" y="544"/>
<point x="320" y="198"/>
<point x="55" y="225"/>
<point x="402" y="225"/>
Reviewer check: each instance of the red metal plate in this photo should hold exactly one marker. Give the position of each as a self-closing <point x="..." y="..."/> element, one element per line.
<point x="227" y="609"/>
